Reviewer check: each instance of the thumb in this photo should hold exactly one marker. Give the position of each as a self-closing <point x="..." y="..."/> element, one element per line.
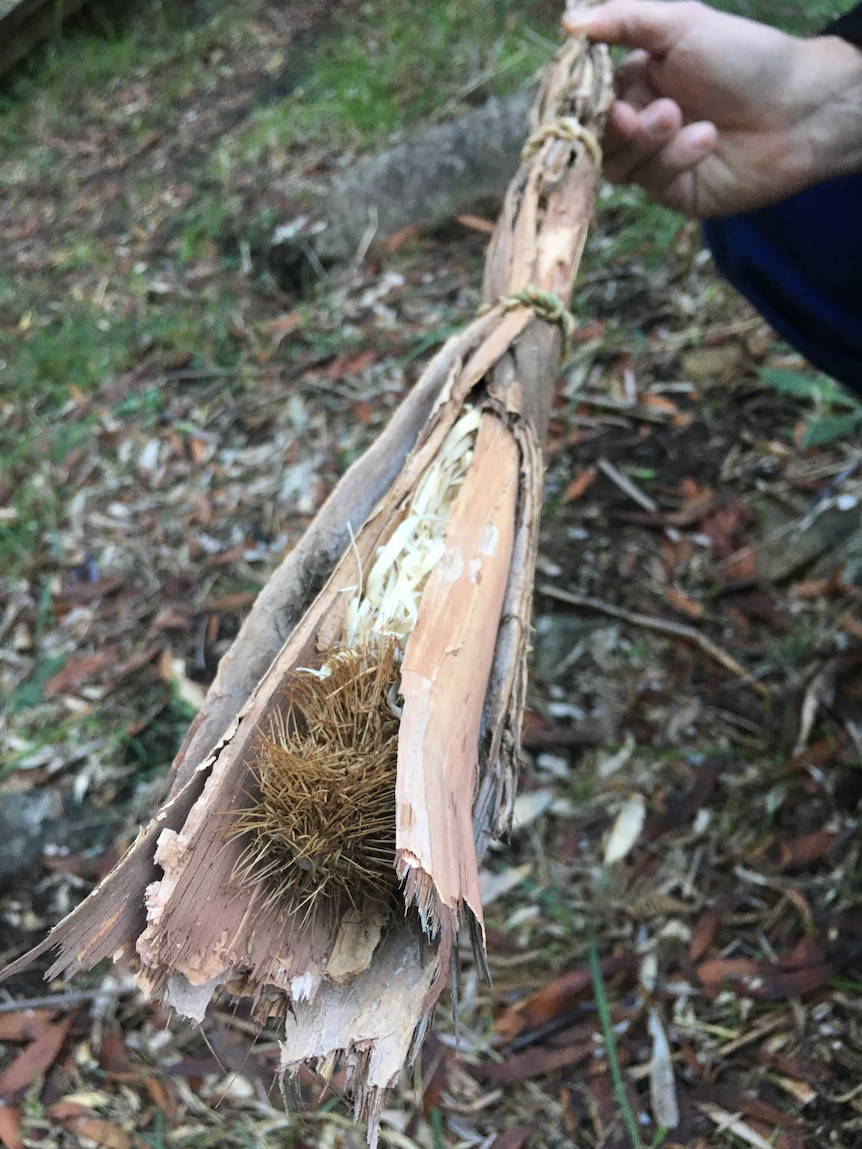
<point x="654" y="25"/>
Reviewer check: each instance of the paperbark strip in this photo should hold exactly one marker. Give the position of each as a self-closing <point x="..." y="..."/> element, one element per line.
<point x="444" y="679"/>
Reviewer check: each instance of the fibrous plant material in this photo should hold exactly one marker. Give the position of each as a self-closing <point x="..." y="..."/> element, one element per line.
<point x="320" y="826"/>
<point x="409" y="597"/>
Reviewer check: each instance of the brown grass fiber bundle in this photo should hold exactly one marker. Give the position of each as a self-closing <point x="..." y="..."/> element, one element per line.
<point x="321" y="824"/>
<point x="305" y="803"/>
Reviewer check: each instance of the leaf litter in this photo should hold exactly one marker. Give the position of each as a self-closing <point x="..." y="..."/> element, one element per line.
<point x="681" y="488"/>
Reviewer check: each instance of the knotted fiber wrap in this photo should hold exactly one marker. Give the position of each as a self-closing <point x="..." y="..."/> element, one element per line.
<point x="360" y="982"/>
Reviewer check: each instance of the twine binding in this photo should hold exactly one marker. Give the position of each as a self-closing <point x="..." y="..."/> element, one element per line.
<point x="545" y="305"/>
<point x="565" y="128"/>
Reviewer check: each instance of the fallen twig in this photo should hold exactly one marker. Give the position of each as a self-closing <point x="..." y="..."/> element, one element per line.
<point x="66" y="1000"/>
<point x="660" y="626"/>
<point x="627" y="486"/>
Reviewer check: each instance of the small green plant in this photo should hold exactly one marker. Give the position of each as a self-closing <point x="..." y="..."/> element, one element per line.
<point x="824" y="425"/>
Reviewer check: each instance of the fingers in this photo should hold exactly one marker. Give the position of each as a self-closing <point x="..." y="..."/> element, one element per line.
<point x="653" y="25"/>
<point x="632" y="81"/>
<point x="684" y="152"/>
<point x="634" y="137"/>
<point x="661" y="160"/>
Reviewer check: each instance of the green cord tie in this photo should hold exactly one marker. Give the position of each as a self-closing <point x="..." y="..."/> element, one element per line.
<point x="545" y="305"/>
<point x="569" y="129"/>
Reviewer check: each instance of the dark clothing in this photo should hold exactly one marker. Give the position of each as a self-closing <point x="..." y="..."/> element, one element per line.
<point x="848" y="26"/>
<point x="800" y="261"/>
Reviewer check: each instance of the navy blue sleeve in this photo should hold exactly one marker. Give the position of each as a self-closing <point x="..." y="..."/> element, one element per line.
<point x="800" y="261"/>
<point x="848" y="26"/>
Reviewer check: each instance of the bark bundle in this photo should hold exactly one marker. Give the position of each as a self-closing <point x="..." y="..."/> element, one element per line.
<point x="406" y="610"/>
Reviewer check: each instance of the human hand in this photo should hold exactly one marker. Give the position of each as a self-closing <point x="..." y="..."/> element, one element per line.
<point x="716" y="114"/>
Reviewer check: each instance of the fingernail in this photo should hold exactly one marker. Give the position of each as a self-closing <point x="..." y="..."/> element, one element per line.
<point x="574" y="19"/>
<point x="656" y="125"/>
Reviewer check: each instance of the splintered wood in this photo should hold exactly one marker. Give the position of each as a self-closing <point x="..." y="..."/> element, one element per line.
<point x="319" y="846"/>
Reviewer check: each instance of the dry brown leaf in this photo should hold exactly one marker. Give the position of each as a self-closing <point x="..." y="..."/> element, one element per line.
<point x="98" y="1130"/>
<point x="579" y="484"/>
<point x="536" y="1062"/>
<point x="683" y="602"/>
<point x="556" y="998"/>
<point x="800" y="853"/>
<point x="79" y="670"/>
<point x="26" y="1024"/>
<point x="476" y="223"/>
<point x="33" y="1062"/>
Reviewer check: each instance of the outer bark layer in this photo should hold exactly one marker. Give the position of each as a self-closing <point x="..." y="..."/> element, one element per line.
<point x="356" y="983"/>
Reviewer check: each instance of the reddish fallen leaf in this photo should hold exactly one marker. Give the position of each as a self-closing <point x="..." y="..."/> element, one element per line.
<point x="816" y="754"/>
<point x="605" y="1109"/>
<point x="581" y="482"/>
<point x="64" y="1110"/>
<point x="692" y="491"/>
<point x="79" y="670"/>
<point x="198" y="449"/>
<point x="356" y="364"/>
<point x="589" y="331"/>
<point x="799" y="900"/>
<point x="90" y="866"/>
<point x="98" y="1130"/>
<point x="113" y="1055"/>
<point x="808" y="951"/>
<point x="35" y="1060"/>
<point x="662" y="403"/>
<point x="476" y="223"/>
<point x="282" y="326"/>
<point x="536" y="1062"/>
<point x="682" y="602"/>
<point x="765" y="981"/>
<point x="799" y="853"/>
<point x="852" y="625"/>
<point x="757" y="605"/>
<point x="705" y="930"/>
<point x="816" y="588"/>
<point x="135" y="662"/>
<point x="539" y="734"/>
<point x="742" y="567"/>
<point x="679" y="808"/>
<point x="435" y="1066"/>
<point x="791" y="1139"/>
<point x="163" y="1095"/>
<point x="26" y="1024"/>
<point x="363" y="411"/>
<point x="403" y="235"/>
<point x="814" y="1072"/>
<point x="556" y="998"/>
<point x="734" y="1101"/>
<point x="10" y="1127"/>
<point x="83" y="592"/>
<point x="175" y="616"/>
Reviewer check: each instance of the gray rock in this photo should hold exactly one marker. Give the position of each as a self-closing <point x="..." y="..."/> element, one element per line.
<point x="32" y="821"/>
<point x="27" y="822"/>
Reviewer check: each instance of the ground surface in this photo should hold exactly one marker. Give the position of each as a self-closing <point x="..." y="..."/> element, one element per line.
<point x="170" y="419"/>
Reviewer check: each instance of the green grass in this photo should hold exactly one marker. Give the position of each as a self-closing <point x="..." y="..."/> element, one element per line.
<point x="834" y="412"/>
<point x="386" y="73"/>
